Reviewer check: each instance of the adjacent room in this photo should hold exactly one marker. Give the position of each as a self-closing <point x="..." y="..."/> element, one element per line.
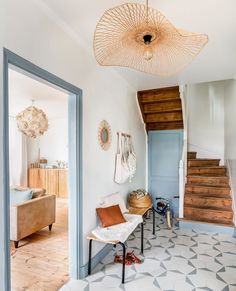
<point x="118" y="145"/>
<point x="38" y="151"/>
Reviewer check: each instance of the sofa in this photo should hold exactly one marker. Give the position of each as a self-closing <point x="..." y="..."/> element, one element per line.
<point x="31" y="216"/>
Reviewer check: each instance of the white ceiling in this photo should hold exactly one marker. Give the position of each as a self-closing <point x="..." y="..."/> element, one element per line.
<point x="214" y="17"/>
<point x="22" y="89"/>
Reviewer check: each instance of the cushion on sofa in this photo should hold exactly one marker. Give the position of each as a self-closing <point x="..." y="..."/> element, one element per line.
<point x="18" y="197"/>
<point x="38" y="192"/>
<point x="114" y="199"/>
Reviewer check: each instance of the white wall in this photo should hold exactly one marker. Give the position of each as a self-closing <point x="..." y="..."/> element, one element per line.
<point x="25" y="30"/>
<point x="53" y="144"/>
<point x="205" y="106"/>
<point x="230" y="133"/>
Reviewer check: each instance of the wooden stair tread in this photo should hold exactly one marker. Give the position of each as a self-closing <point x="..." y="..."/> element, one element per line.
<point x="191" y="155"/>
<point x="203" y="159"/>
<point x="207" y="171"/>
<point x="218" y="178"/>
<point x="209" y="185"/>
<point x="164" y="125"/>
<point x="211" y="210"/>
<point x="161" y="108"/>
<point x="207" y="190"/>
<point x="213" y="177"/>
<point x="219" y="181"/>
<point x="208" y="197"/>
<point x="208" y="202"/>
<point x="209" y="167"/>
<point x="155" y="95"/>
<point x="212" y="187"/>
<point x="164" y="116"/>
<point x="157" y="99"/>
<point x="210" y="215"/>
<point x="203" y="162"/>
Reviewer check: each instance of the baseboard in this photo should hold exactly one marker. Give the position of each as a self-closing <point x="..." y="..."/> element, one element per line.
<point x="95" y="260"/>
<point x="209" y="227"/>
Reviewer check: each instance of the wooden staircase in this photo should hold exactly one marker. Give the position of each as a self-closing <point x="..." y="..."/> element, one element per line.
<point x="207" y="192"/>
<point x="161" y="108"/>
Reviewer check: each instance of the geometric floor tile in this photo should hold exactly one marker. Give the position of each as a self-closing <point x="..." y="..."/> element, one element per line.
<point x="226" y="248"/>
<point x="205" y="239"/>
<point x="168" y="282"/>
<point x="159" y="253"/>
<point x="206" y="262"/>
<point x="206" y="279"/>
<point x="184" y="240"/>
<point x="227" y="260"/>
<point x="205" y="249"/>
<point x="141" y="283"/>
<point x="229" y="275"/>
<point x="178" y="264"/>
<point x="183" y="251"/>
<point x="176" y="260"/>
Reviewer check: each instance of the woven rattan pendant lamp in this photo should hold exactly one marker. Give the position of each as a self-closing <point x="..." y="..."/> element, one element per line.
<point x="139" y="37"/>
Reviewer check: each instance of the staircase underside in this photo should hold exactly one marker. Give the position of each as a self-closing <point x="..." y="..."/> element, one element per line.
<point x="207" y="192"/>
<point x="161" y="108"/>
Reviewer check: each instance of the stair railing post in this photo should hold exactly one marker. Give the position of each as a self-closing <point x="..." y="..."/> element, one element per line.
<point x="183" y="161"/>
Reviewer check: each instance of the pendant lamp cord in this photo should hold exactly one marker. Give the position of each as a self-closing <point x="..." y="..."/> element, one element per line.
<point x="147" y="11"/>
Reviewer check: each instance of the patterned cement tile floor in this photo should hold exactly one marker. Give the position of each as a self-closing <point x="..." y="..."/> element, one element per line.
<point x="177" y="259"/>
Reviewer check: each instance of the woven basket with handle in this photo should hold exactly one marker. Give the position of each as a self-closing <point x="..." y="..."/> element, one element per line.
<point x="143" y="202"/>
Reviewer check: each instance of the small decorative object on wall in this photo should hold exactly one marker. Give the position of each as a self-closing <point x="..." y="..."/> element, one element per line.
<point x="104" y="135"/>
<point x="32" y="121"/>
<point x="140" y="37"/>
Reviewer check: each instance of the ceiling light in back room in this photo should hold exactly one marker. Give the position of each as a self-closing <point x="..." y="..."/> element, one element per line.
<point x="32" y="121"/>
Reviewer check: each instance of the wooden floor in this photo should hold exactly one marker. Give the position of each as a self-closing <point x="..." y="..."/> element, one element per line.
<point x="41" y="261"/>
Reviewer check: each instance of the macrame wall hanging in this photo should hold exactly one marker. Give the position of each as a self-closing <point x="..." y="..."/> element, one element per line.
<point x="140" y="37"/>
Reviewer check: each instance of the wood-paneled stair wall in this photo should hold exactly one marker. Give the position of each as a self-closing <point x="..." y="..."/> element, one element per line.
<point x="207" y="192"/>
<point x="161" y="108"/>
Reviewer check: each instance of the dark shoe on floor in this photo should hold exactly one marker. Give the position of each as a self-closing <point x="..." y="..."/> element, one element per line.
<point x="131" y="256"/>
<point x="119" y="259"/>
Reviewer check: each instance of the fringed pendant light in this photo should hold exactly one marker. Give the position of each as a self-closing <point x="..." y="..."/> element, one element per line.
<point x="137" y="36"/>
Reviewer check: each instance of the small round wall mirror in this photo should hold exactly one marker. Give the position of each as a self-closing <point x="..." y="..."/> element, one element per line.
<point x="104" y="135"/>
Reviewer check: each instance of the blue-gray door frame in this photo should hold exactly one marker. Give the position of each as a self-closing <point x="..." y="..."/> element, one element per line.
<point x="75" y="161"/>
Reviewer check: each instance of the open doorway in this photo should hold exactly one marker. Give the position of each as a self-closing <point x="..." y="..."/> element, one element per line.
<point x="38" y="152"/>
<point x="46" y="171"/>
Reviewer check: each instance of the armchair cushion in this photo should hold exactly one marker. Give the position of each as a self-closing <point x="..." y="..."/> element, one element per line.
<point x="38" y="192"/>
<point x="18" y="197"/>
